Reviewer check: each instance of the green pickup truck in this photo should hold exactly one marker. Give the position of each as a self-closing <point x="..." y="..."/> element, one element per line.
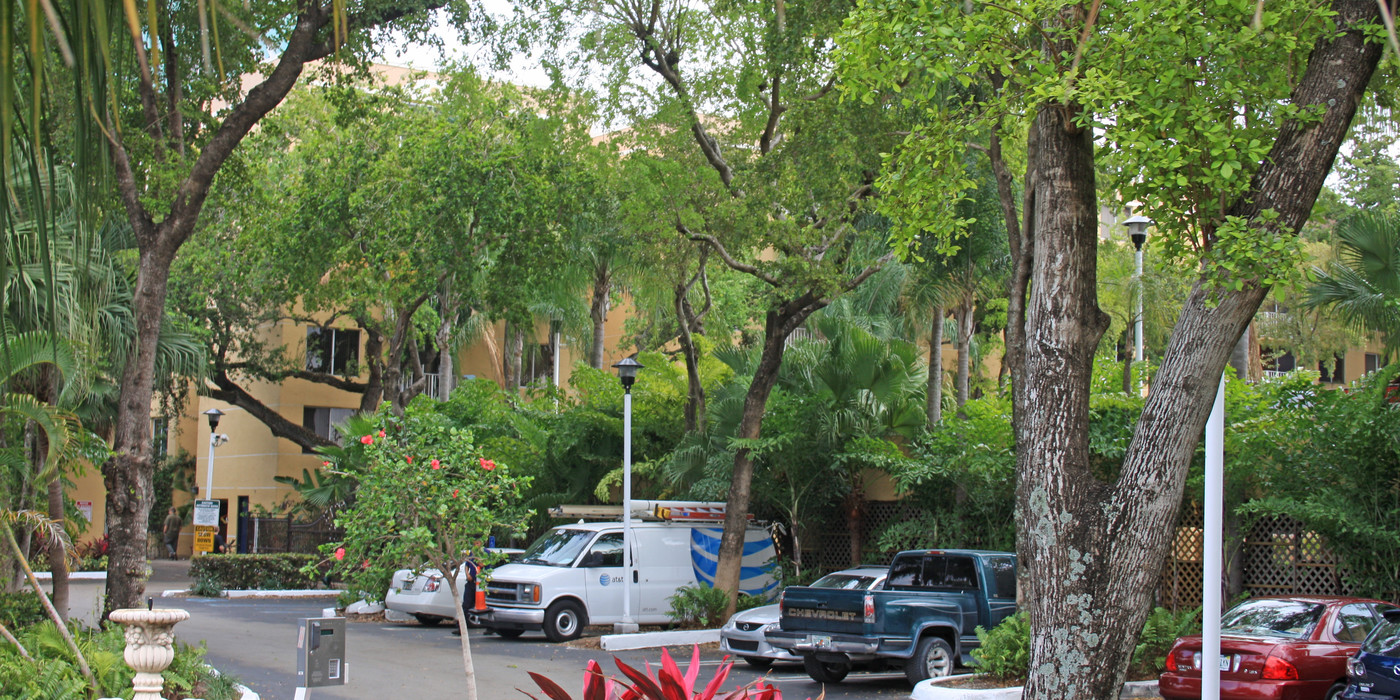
<point x="922" y="620"/>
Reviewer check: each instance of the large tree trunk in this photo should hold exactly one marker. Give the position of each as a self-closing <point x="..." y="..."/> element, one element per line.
<point x="1096" y="549"/>
<point x="780" y="323"/>
<point x="58" y="558"/>
<point x="598" y="312"/>
<point x="695" y="389"/>
<point x="933" y="406"/>
<point x="128" y="473"/>
<point x="963" y="314"/>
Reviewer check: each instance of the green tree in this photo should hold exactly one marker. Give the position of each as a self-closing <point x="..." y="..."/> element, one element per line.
<point x="427" y="493"/>
<point x="1362" y="286"/>
<point x="1124" y="90"/>
<point x="747" y="106"/>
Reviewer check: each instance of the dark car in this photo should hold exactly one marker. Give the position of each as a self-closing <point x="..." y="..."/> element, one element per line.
<point x="1375" y="671"/>
<point x="1293" y="648"/>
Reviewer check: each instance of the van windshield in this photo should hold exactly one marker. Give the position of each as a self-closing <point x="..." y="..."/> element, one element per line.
<point x="557" y="548"/>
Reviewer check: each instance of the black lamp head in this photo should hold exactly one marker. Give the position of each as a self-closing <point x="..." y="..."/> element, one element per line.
<point x="627" y="371"/>
<point x="1137" y="229"/>
<point x="214" y="415"/>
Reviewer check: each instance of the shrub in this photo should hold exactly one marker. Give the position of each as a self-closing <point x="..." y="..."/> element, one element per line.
<point x="1161" y="629"/>
<point x="703" y="606"/>
<point x="52" y="674"/>
<point x="21" y="609"/>
<point x="1006" y="650"/>
<point x="214" y="573"/>
<point x="668" y="683"/>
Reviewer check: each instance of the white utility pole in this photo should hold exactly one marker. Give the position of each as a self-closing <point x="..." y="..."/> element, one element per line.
<point x="1211" y="568"/>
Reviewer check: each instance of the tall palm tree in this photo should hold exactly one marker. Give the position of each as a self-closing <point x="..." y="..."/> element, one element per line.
<point x="1363" y="284"/>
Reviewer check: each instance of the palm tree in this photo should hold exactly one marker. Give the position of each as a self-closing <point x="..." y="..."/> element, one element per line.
<point x="1363" y="284"/>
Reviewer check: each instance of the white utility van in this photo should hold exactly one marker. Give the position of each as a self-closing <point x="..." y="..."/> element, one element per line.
<point x="572" y="576"/>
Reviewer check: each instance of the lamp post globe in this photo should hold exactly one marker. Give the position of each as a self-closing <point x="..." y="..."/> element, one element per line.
<point x="626" y="373"/>
<point x="213" y="415"/>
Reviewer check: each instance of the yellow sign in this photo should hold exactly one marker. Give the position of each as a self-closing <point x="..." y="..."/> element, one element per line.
<point x="204" y="538"/>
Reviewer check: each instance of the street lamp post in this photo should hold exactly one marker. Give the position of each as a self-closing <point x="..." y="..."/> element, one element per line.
<point x="215" y="439"/>
<point x="627" y="373"/>
<point x="1137" y="230"/>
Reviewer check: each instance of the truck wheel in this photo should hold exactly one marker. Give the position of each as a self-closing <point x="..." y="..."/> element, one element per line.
<point x="933" y="659"/>
<point x="563" y="621"/>
<point x="761" y="663"/>
<point x="825" y="671"/>
<point x="427" y="620"/>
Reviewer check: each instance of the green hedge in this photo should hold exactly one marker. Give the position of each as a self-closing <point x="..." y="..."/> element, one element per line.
<point x="213" y="573"/>
<point x="21" y="609"/>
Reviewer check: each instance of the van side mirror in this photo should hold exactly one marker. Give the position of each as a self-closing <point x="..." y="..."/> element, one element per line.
<point x="1392" y="615"/>
<point x="591" y="559"/>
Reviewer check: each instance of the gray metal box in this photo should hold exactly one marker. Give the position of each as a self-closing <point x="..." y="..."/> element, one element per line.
<point x="321" y="652"/>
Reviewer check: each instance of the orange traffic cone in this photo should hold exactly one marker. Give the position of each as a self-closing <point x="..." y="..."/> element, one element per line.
<point x="480" y="600"/>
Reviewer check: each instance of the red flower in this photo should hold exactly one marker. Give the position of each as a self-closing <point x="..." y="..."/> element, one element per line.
<point x="436" y="464"/>
<point x="325" y="464"/>
<point x="364" y="564"/>
<point x="454" y="492"/>
<point x="367" y="440"/>
<point x="409" y="459"/>
<point x="340" y="554"/>
<point x="487" y="464"/>
<point x="381" y="433"/>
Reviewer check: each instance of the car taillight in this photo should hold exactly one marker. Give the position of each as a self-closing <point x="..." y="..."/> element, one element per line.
<point x="869" y="609"/>
<point x="1356" y="668"/>
<point x="432" y="584"/>
<point x="1171" y="663"/>
<point x="1276" y="669"/>
<point x="781" y="595"/>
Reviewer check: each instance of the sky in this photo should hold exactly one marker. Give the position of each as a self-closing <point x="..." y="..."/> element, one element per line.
<point x="522" y="71"/>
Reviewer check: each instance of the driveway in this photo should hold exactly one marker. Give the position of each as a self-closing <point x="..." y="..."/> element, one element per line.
<point x="255" y="641"/>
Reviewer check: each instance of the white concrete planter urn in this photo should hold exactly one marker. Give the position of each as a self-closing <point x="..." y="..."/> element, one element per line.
<point x="149" y="646"/>
<point x="938" y="689"/>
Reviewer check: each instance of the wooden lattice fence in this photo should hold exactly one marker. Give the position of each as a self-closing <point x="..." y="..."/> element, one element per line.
<point x="1278" y="557"/>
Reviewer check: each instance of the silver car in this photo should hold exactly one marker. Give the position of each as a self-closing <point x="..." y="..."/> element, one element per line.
<point x="424" y="594"/>
<point x="742" y="636"/>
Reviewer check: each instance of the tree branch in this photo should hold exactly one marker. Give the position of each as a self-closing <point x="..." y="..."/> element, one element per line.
<point x="229" y="391"/>
<point x="727" y="258"/>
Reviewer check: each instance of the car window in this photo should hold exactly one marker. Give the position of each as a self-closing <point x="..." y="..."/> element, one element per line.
<point x="1353" y="622"/>
<point x="1272" y="618"/>
<point x="1003" y="571"/>
<point x="906" y="572"/>
<point x="932" y="572"/>
<point x="607" y="551"/>
<point x="848" y="582"/>
<point x="1384" y="639"/>
<point x="960" y="572"/>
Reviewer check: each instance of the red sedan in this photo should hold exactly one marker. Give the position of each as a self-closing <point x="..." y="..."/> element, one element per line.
<point x="1292" y="648"/>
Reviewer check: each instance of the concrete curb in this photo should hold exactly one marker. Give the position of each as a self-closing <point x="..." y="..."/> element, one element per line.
<point x="314" y="593"/>
<point x="934" y="689"/>
<point x="648" y="640"/>
<point x="74" y="575"/>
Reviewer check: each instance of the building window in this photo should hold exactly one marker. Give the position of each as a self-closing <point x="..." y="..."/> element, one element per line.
<point x="332" y="350"/>
<point x="1277" y="364"/>
<point x="1373" y="362"/>
<point x="1339" y="370"/>
<point x="160" y="437"/>
<point x="322" y="421"/>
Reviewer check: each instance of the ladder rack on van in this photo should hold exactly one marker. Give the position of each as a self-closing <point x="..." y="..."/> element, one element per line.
<point x="672" y="511"/>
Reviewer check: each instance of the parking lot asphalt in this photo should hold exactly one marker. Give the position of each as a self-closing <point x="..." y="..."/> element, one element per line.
<point x="255" y="641"/>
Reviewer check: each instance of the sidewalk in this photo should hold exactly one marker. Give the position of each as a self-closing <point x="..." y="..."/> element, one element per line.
<point x="86" y="595"/>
